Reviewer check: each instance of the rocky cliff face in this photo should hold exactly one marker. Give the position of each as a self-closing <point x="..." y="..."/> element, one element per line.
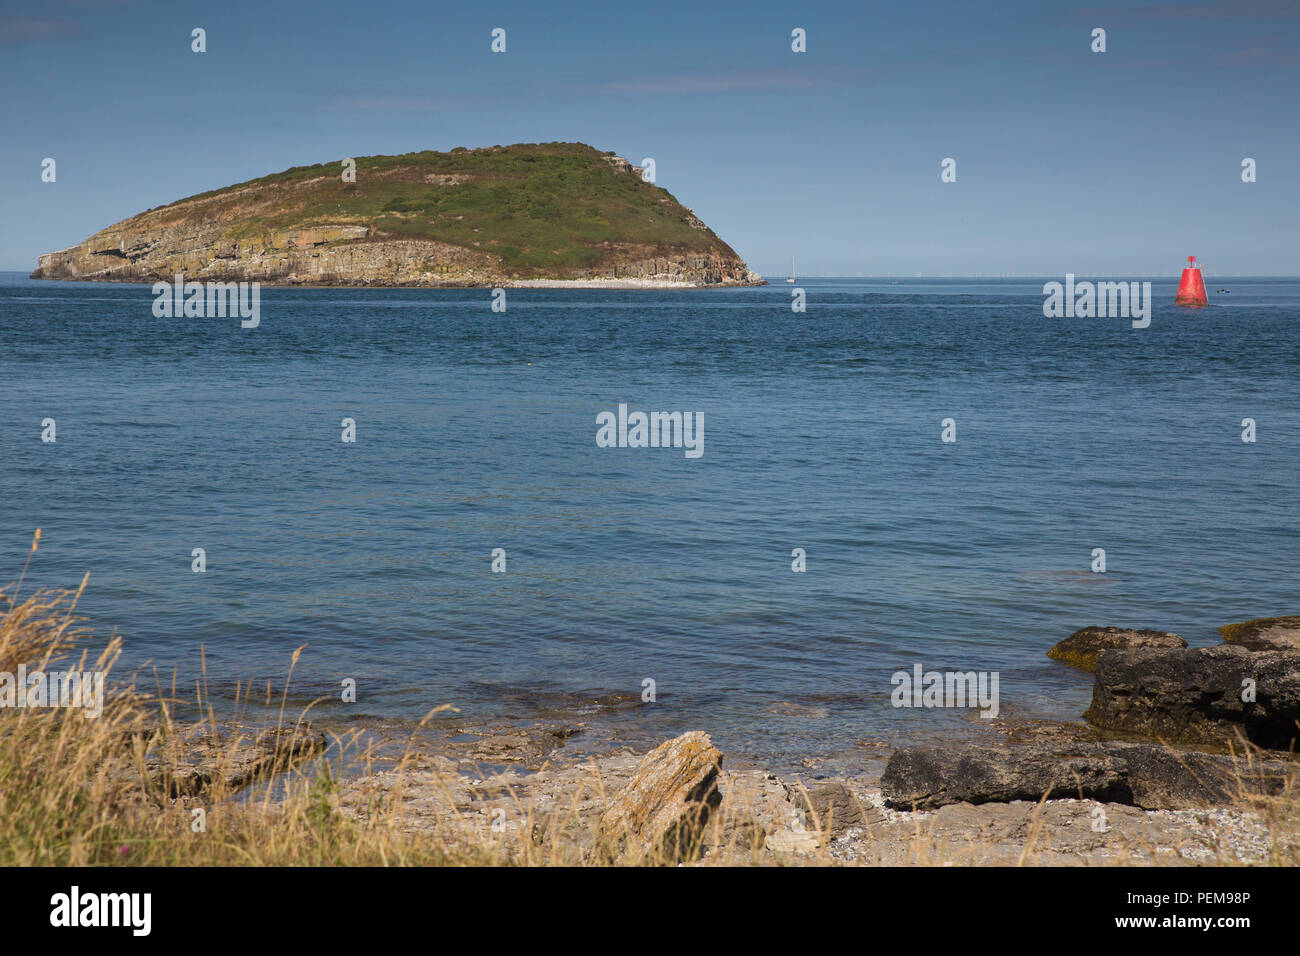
<point x="493" y="217"/>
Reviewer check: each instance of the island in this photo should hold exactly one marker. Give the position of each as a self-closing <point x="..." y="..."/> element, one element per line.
<point x="531" y="214"/>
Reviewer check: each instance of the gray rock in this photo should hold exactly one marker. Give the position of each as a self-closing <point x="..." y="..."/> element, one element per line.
<point x="1162" y="778"/>
<point x="1265" y="634"/>
<point x="1082" y="648"/>
<point x="927" y="777"/>
<point x="1143" y="775"/>
<point x="1195" y="696"/>
<point x="827" y="805"/>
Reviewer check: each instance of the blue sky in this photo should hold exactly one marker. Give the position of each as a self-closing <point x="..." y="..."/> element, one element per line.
<point x="1115" y="164"/>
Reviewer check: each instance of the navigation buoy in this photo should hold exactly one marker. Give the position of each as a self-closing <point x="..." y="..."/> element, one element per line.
<point x="1191" y="288"/>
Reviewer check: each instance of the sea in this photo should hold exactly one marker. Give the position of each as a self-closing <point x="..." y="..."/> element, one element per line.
<point x="646" y="592"/>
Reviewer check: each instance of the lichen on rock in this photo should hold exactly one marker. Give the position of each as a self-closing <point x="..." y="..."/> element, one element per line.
<point x="1082" y="648"/>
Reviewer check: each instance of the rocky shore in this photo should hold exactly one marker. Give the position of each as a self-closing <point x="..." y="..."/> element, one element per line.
<point x="680" y="803"/>
<point x="299" y="258"/>
<point x="1185" y="758"/>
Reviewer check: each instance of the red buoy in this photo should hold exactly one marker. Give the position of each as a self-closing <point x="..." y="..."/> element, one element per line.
<point x="1191" y="288"/>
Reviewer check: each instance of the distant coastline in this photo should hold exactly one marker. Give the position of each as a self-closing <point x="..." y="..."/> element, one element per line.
<point x="610" y="283"/>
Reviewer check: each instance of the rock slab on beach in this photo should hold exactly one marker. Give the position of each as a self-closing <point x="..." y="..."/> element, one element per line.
<point x="929" y="777"/>
<point x="1202" y="695"/>
<point x="663" y="811"/>
<point x="208" y="761"/>
<point x="1083" y="648"/>
<point x="1142" y="775"/>
<point x="828" y="806"/>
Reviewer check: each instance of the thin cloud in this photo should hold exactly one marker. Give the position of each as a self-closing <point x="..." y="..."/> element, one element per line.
<point x="17" y="30"/>
<point x="1260" y="56"/>
<point x="710" y="83"/>
<point x="391" y="103"/>
<point x="1205" y="10"/>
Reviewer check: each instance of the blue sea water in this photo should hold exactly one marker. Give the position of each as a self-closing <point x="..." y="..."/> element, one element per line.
<point x="476" y="430"/>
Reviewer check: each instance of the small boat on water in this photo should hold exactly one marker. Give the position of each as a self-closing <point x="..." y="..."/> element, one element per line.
<point x="791" y="279"/>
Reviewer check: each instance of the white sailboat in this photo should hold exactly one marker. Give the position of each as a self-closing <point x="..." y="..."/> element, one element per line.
<point x="791" y="279"/>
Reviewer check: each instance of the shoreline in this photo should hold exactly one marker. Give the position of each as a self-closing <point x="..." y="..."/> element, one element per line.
<point x="522" y="789"/>
<point x="627" y="284"/>
<point x="603" y="283"/>
<point x="1185" y="756"/>
<point x="1115" y="787"/>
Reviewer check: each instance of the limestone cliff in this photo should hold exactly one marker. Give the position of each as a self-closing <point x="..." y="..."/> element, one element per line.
<point x="497" y="216"/>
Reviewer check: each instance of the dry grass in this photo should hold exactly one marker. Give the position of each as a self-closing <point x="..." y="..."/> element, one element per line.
<point x="77" y="791"/>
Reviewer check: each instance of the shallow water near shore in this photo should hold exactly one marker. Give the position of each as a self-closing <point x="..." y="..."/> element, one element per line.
<point x="476" y="430"/>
